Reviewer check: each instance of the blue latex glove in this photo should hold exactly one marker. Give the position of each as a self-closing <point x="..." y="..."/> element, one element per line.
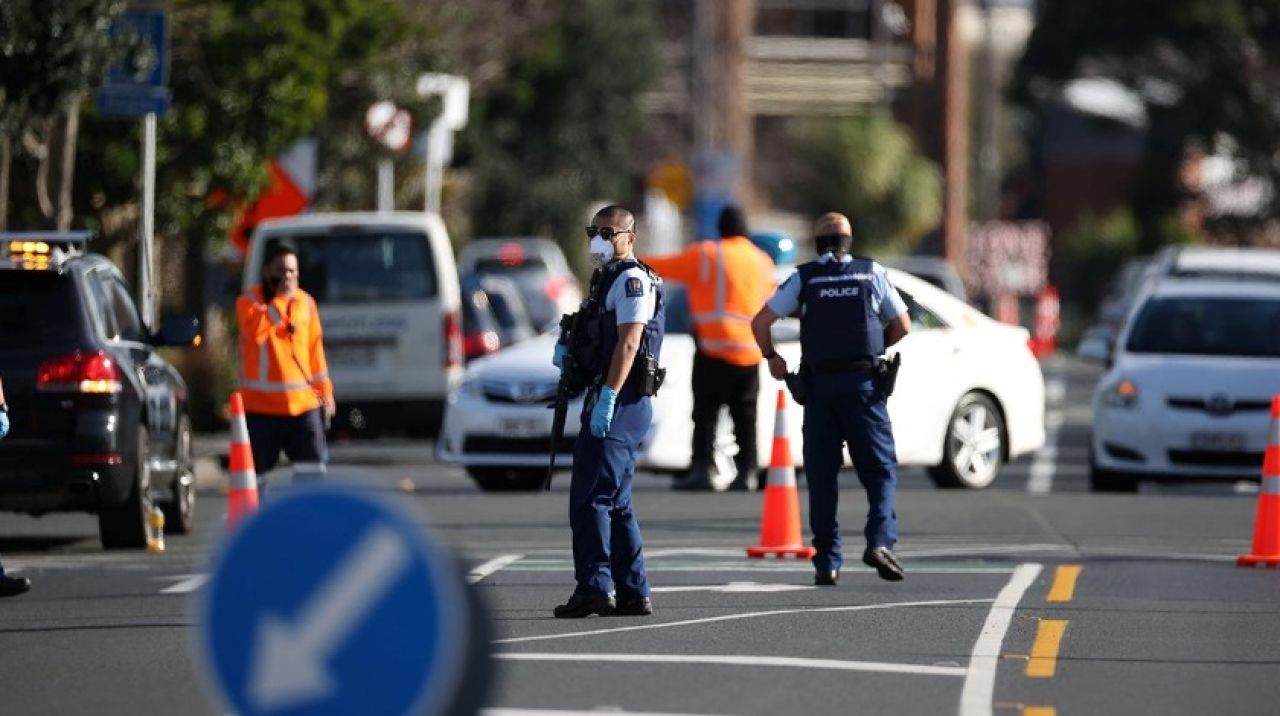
<point x="4" y="424"/>
<point x="602" y="413"/>
<point x="557" y="360"/>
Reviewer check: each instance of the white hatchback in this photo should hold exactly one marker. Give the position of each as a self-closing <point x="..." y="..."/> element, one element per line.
<point x="1187" y="393"/>
<point x="969" y="397"/>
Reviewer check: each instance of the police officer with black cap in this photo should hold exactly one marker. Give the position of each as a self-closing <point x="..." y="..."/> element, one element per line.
<point x="849" y="314"/>
<point x="625" y="322"/>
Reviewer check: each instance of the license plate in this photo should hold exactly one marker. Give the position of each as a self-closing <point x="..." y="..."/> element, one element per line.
<point x="1218" y="442"/>
<point x="350" y="356"/>
<point x="522" y="427"/>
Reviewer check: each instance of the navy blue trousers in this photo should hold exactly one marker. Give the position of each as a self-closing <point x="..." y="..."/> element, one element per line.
<point x="608" y="554"/>
<point x="847" y="408"/>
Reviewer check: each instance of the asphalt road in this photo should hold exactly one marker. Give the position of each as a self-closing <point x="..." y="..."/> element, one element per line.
<point x="1031" y="597"/>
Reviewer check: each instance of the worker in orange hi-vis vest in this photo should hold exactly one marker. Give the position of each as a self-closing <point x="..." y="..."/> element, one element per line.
<point x="728" y="281"/>
<point x="284" y="378"/>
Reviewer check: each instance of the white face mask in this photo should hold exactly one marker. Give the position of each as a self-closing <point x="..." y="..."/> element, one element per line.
<point x="601" y="251"/>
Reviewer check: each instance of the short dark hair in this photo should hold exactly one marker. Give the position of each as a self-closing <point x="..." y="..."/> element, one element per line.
<point x="276" y="250"/>
<point x="732" y="222"/>
<point x="615" y="212"/>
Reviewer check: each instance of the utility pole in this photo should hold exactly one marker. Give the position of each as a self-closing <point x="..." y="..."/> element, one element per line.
<point x="955" y="123"/>
<point x="722" y="121"/>
<point x="988" y="204"/>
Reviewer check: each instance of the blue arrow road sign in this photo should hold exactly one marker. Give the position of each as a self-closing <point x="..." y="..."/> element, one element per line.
<point x="332" y="602"/>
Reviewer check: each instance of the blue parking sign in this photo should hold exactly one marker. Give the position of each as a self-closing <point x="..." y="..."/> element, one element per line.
<point x="332" y="602"/>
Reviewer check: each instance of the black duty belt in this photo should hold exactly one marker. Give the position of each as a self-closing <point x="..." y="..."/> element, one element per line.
<point x="841" y="365"/>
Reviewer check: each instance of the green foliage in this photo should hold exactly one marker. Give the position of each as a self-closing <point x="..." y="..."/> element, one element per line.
<point x="1207" y="70"/>
<point x="51" y="52"/>
<point x="1092" y="253"/>
<point x="867" y="167"/>
<point x="556" y="131"/>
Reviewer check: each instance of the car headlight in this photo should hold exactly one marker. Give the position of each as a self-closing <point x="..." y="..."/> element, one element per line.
<point x="1122" y="394"/>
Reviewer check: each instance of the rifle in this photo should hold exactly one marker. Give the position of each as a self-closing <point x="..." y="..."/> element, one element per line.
<point x="572" y="383"/>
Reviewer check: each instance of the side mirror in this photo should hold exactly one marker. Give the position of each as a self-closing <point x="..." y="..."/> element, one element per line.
<point x="178" y="331"/>
<point x="1096" y="345"/>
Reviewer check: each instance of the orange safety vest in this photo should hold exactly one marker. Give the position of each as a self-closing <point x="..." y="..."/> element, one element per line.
<point x="283" y="370"/>
<point x="728" y="281"/>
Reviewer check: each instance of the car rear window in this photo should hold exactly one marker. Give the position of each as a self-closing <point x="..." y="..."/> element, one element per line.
<point x="363" y="267"/>
<point x="37" y="308"/>
<point x="1248" y="327"/>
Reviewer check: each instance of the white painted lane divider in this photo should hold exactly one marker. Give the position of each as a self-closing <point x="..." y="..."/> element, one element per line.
<point x="980" y="681"/>
<point x="188" y="583"/>
<point x="738" y="588"/>
<point x="1045" y="462"/>
<point x="745" y="615"/>
<point x="493" y="565"/>
<point x="742" y="660"/>
<point x="290" y="661"/>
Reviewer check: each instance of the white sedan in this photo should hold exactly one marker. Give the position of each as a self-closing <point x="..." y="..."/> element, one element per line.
<point x="1188" y="389"/>
<point x="969" y="397"/>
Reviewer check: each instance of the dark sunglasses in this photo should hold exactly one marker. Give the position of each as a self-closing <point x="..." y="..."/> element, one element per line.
<point x="605" y="232"/>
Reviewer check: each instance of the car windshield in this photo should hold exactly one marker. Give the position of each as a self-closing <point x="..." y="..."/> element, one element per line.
<point x="1247" y="327"/>
<point x="36" y="308"/>
<point x="364" y="267"/>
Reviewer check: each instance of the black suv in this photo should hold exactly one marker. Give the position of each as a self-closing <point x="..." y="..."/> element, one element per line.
<point x="99" y="420"/>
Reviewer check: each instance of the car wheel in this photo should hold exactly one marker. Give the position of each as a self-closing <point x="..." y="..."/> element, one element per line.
<point x="973" y="450"/>
<point x="124" y="526"/>
<point x="1102" y="480"/>
<point x="179" y="510"/>
<point x="507" y="479"/>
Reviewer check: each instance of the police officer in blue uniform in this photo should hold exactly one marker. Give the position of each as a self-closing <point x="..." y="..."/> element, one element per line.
<point x="624" y="333"/>
<point x="849" y="313"/>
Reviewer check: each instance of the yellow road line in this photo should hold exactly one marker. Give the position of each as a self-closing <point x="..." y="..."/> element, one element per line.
<point x="1044" y="652"/>
<point x="1039" y="711"/>
<point x="1064" y="583"/>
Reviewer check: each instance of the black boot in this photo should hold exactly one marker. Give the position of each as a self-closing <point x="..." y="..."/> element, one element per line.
<point x="584" y="604"/>
<point x="13" y="586"/>
<point x="697" y="479"/>
<point x="747" y="479"/>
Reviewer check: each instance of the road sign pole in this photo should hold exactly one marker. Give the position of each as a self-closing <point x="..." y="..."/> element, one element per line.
<point x="386" y="184"/>
<point x="146" y="239"/>
<point x="434" y="167"/>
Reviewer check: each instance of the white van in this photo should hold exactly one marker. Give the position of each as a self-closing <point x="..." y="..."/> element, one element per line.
<point x="390" y="306"/>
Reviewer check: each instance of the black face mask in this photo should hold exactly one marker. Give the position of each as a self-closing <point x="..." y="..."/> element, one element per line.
<point x="837" y="243"/>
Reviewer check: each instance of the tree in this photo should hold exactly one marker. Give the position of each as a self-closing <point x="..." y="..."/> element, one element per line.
<point x="1208" y="72"/>
<point x="51" y="56"/>
<point x="868" y="168"/>
<point x="557" y="129"/>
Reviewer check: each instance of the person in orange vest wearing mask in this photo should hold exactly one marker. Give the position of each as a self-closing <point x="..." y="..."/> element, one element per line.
<point x="728" y="281"/>
<point x="284" y="378"/>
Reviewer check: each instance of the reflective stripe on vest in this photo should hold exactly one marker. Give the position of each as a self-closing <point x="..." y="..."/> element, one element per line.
<point x="718" y="312"/>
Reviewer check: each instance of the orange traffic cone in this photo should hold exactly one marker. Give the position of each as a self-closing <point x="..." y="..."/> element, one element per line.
<point x="1266" y="526"/>
<point x="242" y="499"/>
<point x="780" y="520"/>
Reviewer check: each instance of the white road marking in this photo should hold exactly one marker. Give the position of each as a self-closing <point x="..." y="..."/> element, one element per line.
<point x="610" y="711"/>
<point x="692" y="552"/>
<point x="980" y="682"/>
<point x="1055" y="390"/>
<point x="1046" y="460"/>
<point x="493" y="565"/>
<point x="741" y="660"/>
<point x="189" y="583"/>
<point x="746" y="615"/>
<point x="738" y="588"/>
